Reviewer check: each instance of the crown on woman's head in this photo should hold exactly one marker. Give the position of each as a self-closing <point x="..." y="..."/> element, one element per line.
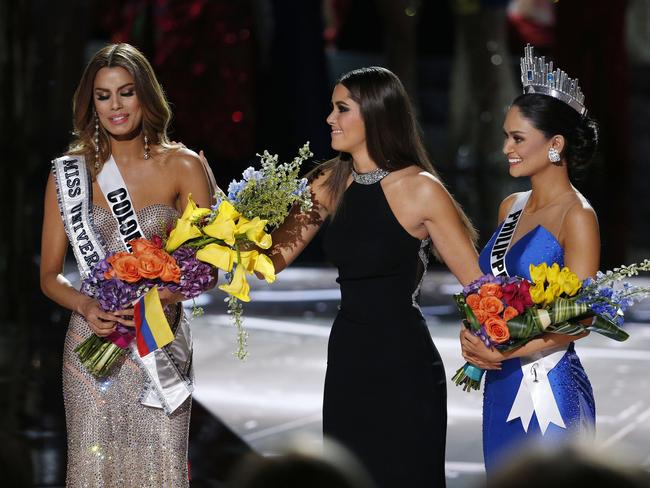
<point x="538" y="76"/>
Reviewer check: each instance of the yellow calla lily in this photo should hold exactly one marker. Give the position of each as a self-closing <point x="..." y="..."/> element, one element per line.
<point x="222" y="229"/>
<point x="264" y="266"/>
<point x="254" y="231"/>
<point x="254" y="262"/>
<point x="538" y="273"/>
<point x="182" y="232"/>
<point x="226" y="211"/>
<point x="238" y="286"/>
<point x="219" y="256"/>
<point x="247" y="260"/>
<point x="192" y="211"/>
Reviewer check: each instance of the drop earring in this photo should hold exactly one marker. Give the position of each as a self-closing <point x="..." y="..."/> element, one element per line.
<point x="146" y="145"/>
<point x="96" y="140"/>
<point x="554" y="156"/>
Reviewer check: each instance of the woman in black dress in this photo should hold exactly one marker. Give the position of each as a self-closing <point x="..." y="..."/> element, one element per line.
<point x="385" y="394"/>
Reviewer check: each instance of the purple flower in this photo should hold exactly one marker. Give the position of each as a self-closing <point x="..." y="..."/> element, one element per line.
<point x="196" y="276"/>
<point x="115" y="294"/>
<point x="475" y="285"/>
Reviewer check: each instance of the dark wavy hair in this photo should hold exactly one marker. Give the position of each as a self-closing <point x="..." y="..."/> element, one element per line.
<point x="553" y="117"/>
<point x="156" y="114"/>
<point x="393" y="136"/>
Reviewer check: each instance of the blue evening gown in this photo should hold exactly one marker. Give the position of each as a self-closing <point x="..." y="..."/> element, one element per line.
<point x="569" y="382"/>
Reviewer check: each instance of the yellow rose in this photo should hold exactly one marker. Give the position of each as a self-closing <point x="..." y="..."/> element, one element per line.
<point x="238" y="286"/>
<point x="569" y="282"/>
<point x="552" y="273"/>
<point x="221" y="257"/>
<point x="537" y="292"/>
<point x="552" y="292"/>
<point x="538" y="273"/>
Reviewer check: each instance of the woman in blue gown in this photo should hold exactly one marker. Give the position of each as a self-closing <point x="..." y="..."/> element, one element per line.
<point x="539" y="392"/>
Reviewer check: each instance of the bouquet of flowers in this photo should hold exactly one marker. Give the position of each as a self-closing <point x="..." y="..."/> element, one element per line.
<point x="508" y="312"/>
<point x="201" y="240"/>
<point x="121" y="278"/>
<point x="225" y="235"/>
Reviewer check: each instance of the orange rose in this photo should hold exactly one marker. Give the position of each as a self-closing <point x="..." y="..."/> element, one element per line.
<point x="125" y="267"/>
<point x="510" y="313"/>
<point x="490" y="290"/>
<point x="473" y="301"/>
<point x="142" y="245"/>
<point x="481" y="315"/>
<point x="171" y="272"/>
<point x="497" y="330"/>
<point x="150" y="265"/>
<point x="491" y="304"/>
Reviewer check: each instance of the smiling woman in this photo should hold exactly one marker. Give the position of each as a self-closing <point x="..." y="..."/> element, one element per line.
<point x="120" y="179"/>
<point x="385" y="396"/>
<point x="547" y="137"/>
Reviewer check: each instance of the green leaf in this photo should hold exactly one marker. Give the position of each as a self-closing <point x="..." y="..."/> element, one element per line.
<point x="608" y="329"/>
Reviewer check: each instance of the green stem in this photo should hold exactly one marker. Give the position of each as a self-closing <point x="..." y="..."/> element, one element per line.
<point x="235" y="309"/>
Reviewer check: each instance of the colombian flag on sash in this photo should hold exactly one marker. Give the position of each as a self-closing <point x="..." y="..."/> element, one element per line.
<point x="152" y="331"/>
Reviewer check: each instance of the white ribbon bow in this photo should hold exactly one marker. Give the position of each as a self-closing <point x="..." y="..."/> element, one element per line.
<point x="535" y="394"/>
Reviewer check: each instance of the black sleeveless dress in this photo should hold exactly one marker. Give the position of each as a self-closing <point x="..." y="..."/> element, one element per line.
<point x="385" y="394"/>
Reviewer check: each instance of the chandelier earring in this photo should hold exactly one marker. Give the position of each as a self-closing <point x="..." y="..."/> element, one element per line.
<point x="96" y="140"/>
<point x="147" y="155"/>
<point x="554" y="156"/>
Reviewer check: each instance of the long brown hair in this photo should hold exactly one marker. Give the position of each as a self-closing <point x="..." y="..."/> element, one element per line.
<point x="156" y="114"/>
<point x="393" y="136"/>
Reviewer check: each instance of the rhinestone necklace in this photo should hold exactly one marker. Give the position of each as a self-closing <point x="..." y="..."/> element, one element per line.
<point x="369" y="178"/>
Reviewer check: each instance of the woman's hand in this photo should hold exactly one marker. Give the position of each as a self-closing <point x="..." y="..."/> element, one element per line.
<point x="477" y="353"/>
<point x="169" y="298"/>
<point x="100" y="322"/>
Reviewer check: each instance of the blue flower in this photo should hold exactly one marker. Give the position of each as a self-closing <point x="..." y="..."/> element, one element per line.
<point x="302" y="186"/>
<point x="234" y="189"/>
<point x="251" y="174"/>
<point x="606" y="292"/>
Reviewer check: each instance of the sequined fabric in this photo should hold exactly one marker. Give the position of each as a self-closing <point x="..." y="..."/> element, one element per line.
<point x="568" y="379"/>
<point x="113" y="440"/>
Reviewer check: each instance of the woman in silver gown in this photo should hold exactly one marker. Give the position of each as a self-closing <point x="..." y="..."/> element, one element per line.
<point x="120" y="111"/>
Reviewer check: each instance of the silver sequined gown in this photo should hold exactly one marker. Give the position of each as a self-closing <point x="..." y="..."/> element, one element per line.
<point x="113" y="440"/>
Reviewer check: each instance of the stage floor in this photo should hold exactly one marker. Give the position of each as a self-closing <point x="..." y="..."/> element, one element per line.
<point x="274" y="397"/>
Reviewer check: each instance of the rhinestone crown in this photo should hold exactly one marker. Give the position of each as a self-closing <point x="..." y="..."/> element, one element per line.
<point x="537" y="76"/>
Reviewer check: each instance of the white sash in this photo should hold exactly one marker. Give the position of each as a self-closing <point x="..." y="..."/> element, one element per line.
<point x="75" y="195"/>
<point x="169" y="370"/>
<point x="119" y="200"/>
<point x="535" y="394"/>
<point x="504" y="238"/>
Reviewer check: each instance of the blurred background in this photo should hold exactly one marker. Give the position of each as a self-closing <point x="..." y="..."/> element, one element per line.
<point x="247" y="75"/>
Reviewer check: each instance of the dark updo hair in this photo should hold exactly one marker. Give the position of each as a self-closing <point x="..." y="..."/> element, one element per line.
<point x="554" y="117"/>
